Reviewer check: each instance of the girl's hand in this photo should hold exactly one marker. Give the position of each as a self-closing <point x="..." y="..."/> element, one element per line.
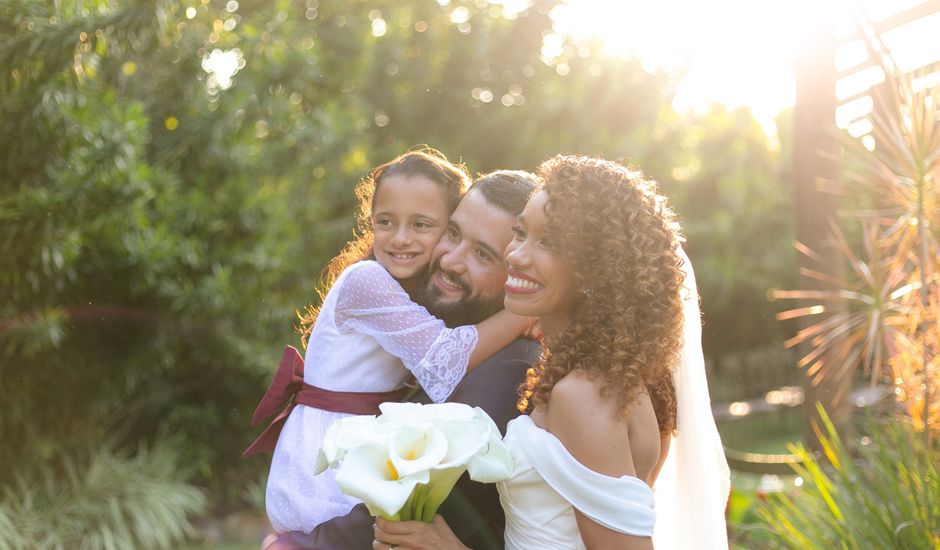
<point x="415" y="535"/>
<point x="533" y="329"/>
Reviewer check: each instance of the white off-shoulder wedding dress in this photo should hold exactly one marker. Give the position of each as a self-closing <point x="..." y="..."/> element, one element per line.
<point x="547" y="484"/>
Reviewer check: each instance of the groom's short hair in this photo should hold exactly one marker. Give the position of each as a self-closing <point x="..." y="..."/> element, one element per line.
<point x="508" y="190"/>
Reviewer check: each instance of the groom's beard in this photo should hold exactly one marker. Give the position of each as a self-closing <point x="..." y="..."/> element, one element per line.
<point x="465" y="311"/>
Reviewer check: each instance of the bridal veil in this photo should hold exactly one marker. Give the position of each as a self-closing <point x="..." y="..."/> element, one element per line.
<point x="691" y="492"/>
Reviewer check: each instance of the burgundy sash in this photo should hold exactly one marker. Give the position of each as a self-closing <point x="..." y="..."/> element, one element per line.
<point x="287" y="390"/>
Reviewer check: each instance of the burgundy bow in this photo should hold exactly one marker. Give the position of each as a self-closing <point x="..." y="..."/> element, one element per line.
<point x="287" y="390"/>
<point x="287" y="382"/>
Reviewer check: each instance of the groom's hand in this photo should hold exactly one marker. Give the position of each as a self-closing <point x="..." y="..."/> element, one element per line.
<point x="415" y="535"/>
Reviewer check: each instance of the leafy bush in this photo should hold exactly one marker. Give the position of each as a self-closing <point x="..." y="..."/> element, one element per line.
<point x="102" y="499"/>
<point x="886" y="496"/>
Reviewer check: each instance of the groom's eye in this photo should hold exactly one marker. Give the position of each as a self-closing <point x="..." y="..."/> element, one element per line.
<point x="484" y="255"/>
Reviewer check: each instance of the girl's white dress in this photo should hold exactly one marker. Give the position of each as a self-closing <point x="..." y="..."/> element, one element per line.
<point x="368" y="336"/>
<point x="547" y="484"/>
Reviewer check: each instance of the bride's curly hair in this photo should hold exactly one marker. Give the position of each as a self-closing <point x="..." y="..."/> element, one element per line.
<point x="622" y="240"/>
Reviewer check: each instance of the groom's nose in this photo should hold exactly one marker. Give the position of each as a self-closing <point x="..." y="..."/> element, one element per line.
<point x="455" y="260"/>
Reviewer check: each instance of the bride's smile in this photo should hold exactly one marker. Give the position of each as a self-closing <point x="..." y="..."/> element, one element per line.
<point x="540" y="281"/>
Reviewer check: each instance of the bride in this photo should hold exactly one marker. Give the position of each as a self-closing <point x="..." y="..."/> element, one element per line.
<point x="619" y="402"/>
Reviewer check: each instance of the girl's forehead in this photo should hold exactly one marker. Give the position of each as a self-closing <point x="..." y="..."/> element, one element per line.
<point x="416" y="193"/>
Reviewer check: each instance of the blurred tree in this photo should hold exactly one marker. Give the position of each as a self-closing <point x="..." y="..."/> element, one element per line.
<point x="729" y="187"/>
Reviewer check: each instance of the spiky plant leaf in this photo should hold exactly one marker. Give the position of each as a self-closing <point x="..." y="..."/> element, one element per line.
<point x="871" y="292"/>
<point x="884" y="494"/>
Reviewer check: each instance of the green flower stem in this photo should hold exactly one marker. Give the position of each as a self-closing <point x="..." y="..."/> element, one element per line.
<point x="429" y="511"/>
<point x="407" y="510"/>
<point x="443" y="483"/>
<point x="420" y="502"/>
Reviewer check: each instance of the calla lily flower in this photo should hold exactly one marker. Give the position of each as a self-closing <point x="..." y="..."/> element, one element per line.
<point x="492" y="463"/>
<point x="345" y="434"/>
<point x="405" y="462"/>
<point x="367" y="474"/>
<point x="415" y="448"/>
<point x="474" y="445"/>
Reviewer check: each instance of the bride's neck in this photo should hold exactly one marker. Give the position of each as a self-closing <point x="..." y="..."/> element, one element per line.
<point x="553" y="325"/>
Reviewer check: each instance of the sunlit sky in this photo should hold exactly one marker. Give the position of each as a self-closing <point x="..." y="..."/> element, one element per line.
<point x="736" y="52"/>
<point x="740" y="52"/>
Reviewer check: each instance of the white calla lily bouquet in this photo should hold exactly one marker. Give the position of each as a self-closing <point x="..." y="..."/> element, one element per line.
<point x="404" y="462"/>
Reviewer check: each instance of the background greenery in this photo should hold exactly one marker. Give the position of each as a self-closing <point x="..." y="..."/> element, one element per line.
<point x="159" y="230"/>
<point x="882" y="492"/>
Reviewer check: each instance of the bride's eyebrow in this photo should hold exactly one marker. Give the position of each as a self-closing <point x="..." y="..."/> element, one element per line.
<point x="520" y="219"/>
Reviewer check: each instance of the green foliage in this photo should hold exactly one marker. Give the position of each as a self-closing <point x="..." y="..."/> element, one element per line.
<point x="141" y="274"/>
<point x="733" y="194"/>
<point x="101" y="499"/>
<point x="885" y="496"/>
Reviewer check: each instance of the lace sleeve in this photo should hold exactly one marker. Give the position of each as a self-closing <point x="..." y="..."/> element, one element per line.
<point x="371" y="302"/>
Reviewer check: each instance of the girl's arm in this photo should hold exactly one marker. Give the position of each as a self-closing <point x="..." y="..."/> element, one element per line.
<point x="494" y="334"/>
<point x="370" y="301"/>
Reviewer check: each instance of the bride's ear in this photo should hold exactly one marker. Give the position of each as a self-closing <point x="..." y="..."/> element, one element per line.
<point x="584" y="294"/>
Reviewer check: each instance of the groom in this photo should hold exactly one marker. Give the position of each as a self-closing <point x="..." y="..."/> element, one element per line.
<point x="463" y="287"/>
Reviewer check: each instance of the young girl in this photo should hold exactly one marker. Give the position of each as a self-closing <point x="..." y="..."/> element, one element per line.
<point x="369" y="338"/>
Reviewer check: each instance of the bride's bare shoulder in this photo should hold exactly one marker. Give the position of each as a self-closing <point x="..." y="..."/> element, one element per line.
<point x="590" y="425"/>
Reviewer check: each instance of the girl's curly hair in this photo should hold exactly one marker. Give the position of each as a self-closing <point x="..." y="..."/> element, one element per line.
<point x="622" y="241"/>
<point x="421" y="161"/>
